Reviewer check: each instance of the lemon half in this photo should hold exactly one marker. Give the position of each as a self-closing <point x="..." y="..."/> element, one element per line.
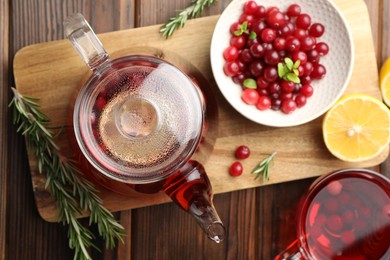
<point x="357" y="128"/>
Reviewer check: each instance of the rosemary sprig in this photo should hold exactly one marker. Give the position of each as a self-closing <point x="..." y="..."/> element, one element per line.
<point x="73" y="193"/>
<point x="194" y="9"/>
<point x="263" y="167"/>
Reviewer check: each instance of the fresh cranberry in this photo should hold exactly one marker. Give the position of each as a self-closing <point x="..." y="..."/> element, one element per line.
<point x="235" y="27"/>
<point x="307" y="90"/>
<point x="250" y="96"/>
<point x="299" y="33"/>
<point x="287" y="86"/>
<point x="293" y="10"/>
<point x="243" y="67"/>
<point x="246" y="18"/>
<point x="286" y="95"/>
<point x="292" y="44"/>
<point x="258" y="26"/>
<point x="262" y="83"/>
<point x="270" y="74"/>
<point x="230" y="53"/>
<point x="250" y="7"/>
<point x="279" y="43"/>
<point x="231" y="68"/>
<point x="306" y="80"/>
<point x="308" y="43"/>
<point x="303" y="21"/>
<point x="236" y="169"/>
<point x="261" y="11"/>
<point x="238" y="41"/>
<point x="307" y="68"/>
<point x="268" y="35"/>
<point x="301" y="70"/>
<point x="263" y="103"/>
<point x="275" y="87"/>
<point x="301" y="56"/>
<point x="245" y="56"/>
<point x="288" y="106"/>
<point x="239" y="78"/>
<point x="251" y="41"/>
<point x="243" y="152"/>
<point x="262" y="92"/>
<point x="313" y="56"/>
<point x="256" y="68"/>
<point x="319" y="71"/>
<point x="300" y="100"/>
<point x="322" y="48"/>
<point x="271" y="10"/>
<point x="316" y="30"/>
<point x="276" y="103"/>
<point x="257" y="50"/>
<point x="287" y="29"/>
<point x="272" y="57"/>
<point x="276" y="20"/>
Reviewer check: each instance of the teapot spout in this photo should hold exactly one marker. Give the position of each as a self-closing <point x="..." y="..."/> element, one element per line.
<point x="190" y="188"/>
<point x="208" y="219"/>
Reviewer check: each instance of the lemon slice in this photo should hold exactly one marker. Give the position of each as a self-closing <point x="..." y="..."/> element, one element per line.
<point x="384" y="81"/>
<point x="357" y="128"/>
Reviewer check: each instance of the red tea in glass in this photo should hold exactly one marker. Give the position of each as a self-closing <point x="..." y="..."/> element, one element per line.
<point x="344" y="215"/>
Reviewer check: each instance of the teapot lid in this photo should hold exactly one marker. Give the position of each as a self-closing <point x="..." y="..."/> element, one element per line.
<point x="138" y="119"/>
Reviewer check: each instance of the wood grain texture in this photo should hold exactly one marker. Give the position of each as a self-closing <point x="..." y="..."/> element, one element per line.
<point x="254" y="233"/>
<point x="4" y="93"/>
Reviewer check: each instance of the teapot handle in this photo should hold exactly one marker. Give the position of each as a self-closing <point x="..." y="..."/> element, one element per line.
<point x="85" y="41"/>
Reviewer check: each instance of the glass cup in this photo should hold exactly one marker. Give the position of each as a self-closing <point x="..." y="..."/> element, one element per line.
<point x="344" y="215"/>
<point x="139" y="121"/>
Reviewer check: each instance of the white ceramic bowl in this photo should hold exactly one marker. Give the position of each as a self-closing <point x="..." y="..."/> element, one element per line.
<point x="338" y="62"/>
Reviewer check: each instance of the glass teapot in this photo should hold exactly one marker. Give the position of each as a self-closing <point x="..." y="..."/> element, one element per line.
<point x="138" y="121"/>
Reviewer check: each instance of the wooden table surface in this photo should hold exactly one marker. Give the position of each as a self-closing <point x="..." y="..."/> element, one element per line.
<point x="259" y="221"/>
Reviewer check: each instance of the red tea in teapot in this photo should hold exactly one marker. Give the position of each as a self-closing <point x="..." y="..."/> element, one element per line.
<point x="136" y="124"/>
<point x="138" y="121"/>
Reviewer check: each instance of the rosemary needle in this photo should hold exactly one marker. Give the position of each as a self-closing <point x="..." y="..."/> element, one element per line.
<point x="73" y="193"/>
<point x="263" y="167"/>
<point x="193" y="10"/>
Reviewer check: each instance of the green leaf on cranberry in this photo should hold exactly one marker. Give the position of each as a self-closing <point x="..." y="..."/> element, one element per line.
<point x="289" y="70"/>
<point x="282" y="70"/>
<point x="243" y="29"/>
<point x="293" y="78"/>
<point x="252" y="35"/>
<point x="289" y="63"/>
<point x="296" y="64"/>
<point x="250" y="83"/>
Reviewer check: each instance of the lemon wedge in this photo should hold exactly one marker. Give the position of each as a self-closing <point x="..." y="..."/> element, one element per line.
<point x="357" y="128"/>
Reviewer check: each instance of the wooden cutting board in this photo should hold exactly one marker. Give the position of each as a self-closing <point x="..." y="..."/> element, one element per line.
<point x="52" y="71"/>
